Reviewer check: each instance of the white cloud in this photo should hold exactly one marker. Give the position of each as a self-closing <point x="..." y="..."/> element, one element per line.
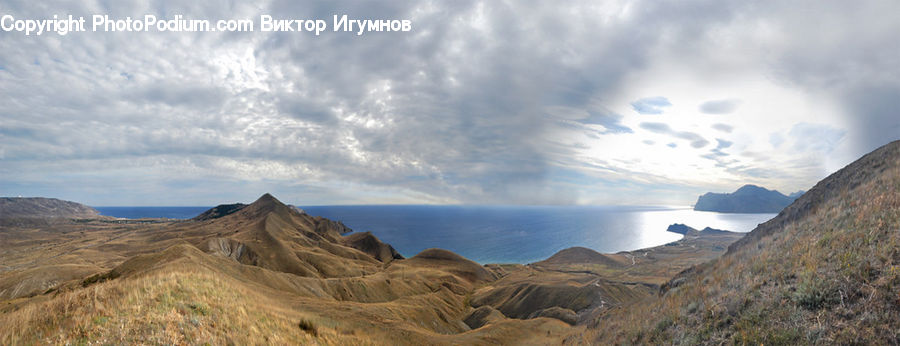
<point x="650" y="105"/>
<point x="719" y="106"/>
<point x="484" y="102"/>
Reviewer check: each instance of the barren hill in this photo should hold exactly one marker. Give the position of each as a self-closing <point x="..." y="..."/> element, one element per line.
<point x="279" y="275"/>
<point x="40" y="207"/>
<point x="580" y="255"/>
<point x="747" y="199"/>
<point x="266" y="269"/>
<point x="219" y="211"/>
<point x="822" y="271"/>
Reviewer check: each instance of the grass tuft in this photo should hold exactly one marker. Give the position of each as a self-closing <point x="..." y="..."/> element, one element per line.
<point x="308" y="326"/>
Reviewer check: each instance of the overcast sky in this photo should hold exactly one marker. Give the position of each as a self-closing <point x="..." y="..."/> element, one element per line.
<point x="483" y="102"/>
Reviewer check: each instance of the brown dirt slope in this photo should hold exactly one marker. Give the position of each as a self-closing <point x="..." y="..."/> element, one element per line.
<point x="278" y="275"/>
<point x="580" y="255"/>
<point x="371" y="245"/>
<point x="825" y="270"/>
<point x="267" y="270"/>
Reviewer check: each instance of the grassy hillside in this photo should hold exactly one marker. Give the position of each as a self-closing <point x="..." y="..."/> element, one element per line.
<point x="825" y="270"/>
<point x="187" y="298"/>
<point x="39" y="207"/>
<point x="267" y="273"/>
<point x="262" y="273"/>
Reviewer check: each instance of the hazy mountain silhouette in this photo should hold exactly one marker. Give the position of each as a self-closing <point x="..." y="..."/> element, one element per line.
<point x="747" y="199"/>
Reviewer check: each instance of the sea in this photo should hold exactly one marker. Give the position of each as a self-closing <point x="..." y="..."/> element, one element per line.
<point x="504" y="234"/>
<point x="152" y="212"/>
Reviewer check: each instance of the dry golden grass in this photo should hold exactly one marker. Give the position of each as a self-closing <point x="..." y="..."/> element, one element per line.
<point x="193" y="306"/>
<point x="267" y="275"/>
<point x="174" y="307"/>
<point x="829" y="275"/>
<point x="184" y="296"/>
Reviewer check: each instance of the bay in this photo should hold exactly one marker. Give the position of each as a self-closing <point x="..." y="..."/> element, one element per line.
<point x="503" y="234"/>
<point x="526" y="234"/>
<point x="152" y="212"/>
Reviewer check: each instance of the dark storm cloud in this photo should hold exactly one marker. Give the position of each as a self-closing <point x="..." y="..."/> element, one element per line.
<point x="878" y="110"/>
<point x="852" y="59"/>
<point x="696" y="140"/>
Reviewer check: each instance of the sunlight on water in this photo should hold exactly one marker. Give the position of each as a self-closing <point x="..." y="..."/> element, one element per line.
<point x="527" y="234"/>
<point x="497" y="234"/>
<point x="652" y="225"/>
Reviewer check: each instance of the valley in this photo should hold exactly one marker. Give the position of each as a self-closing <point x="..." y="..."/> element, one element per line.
<point x="823" y="270"/>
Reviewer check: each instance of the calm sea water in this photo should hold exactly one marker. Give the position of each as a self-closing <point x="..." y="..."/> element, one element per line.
<point x="152" y="212"/>
<point x="491" y="234"/>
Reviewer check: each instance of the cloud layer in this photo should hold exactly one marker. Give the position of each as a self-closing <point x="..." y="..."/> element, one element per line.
<point x="719" y="106"/>
<point x="482" y="102"/>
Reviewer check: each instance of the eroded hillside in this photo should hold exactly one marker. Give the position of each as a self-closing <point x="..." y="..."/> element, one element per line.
<point x="263" y="272"/>
<point x="269" y="273"/>
<point x="825" y="270"/>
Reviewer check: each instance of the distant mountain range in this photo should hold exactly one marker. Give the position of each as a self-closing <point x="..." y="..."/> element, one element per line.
<point x="747" y="199"/>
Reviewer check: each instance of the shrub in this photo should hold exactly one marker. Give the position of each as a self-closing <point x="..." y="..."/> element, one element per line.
<point x="98" y="278"/>
<point x="308" y="327"/>
<point x="692" y="307"/>
<point x="813" y="293"/>
<point x="199" y="308"/>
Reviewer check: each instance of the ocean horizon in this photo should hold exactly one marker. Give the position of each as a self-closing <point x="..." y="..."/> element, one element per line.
<point x="502" y="234"/>
<point x="128" y="212"/>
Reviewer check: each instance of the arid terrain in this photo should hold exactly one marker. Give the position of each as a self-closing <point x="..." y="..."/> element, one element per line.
<point x="823" y="270"/>
<point x="266" y="272"/>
